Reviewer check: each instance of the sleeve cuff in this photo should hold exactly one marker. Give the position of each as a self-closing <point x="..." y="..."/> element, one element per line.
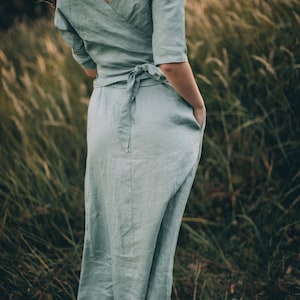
<point x="170" y="59"/>
<point x="84" y="60"/>
<point x="88" y="65"/>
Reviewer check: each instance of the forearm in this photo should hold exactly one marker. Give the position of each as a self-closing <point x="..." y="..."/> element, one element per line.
<point x="181" y="77"/>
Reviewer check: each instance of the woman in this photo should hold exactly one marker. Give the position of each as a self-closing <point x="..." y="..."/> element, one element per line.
<point x="145" y="129"/>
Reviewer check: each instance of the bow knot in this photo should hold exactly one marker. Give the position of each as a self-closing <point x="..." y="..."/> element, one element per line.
<point x="136" y="75"/>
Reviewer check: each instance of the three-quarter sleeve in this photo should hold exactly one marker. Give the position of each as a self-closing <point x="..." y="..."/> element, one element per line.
<point x="168" y="40"/>
<point x="74" y="41"/>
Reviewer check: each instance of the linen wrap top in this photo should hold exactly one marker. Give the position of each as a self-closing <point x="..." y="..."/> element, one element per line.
<point x="116" y="37"/>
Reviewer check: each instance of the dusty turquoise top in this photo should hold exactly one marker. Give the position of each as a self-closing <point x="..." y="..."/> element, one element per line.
<point x="116" y="37"/>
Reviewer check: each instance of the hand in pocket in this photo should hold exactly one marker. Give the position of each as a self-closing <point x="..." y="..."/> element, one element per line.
<point x="199" y="115"/>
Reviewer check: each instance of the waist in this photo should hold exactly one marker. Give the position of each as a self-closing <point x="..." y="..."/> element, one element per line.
<point x="147" y="74"/>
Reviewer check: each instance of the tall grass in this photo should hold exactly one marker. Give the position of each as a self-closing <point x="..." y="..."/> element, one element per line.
<point x="246" y="58"/>
<point x="43" y="109"/>
<point x="240" y="232"/>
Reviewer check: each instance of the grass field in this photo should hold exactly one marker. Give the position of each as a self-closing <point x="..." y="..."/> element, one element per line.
<point x="240" y="234"/>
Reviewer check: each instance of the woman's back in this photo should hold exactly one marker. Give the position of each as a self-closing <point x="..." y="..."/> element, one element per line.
<point x="114" y="44"/>
<point x="119" y="35"/>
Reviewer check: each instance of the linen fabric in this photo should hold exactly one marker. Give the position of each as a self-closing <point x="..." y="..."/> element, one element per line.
<point x="144" y="144"/>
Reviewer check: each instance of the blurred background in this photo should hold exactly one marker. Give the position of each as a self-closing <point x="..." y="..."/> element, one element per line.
<point x="12" y="11"/>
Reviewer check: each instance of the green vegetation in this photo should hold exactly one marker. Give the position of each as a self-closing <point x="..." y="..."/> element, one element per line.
<point x="10" y="10"/>
<point x="240" y="233"/>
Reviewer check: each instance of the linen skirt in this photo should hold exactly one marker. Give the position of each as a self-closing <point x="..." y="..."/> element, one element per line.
<point x="135" y="197"/>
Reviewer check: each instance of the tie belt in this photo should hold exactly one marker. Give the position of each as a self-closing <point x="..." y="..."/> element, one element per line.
<point x="139" y="73"/>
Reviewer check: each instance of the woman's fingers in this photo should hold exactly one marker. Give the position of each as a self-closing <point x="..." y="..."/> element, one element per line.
<point x="199" y="115"/>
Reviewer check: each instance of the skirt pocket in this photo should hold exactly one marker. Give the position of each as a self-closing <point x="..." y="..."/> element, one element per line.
<point x="185" y="110"/>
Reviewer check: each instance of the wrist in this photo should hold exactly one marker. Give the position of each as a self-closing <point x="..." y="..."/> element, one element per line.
<point x="199" y="108"/>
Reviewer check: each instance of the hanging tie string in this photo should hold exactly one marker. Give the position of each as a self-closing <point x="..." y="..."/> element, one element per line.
<point x="139" y="73"/>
